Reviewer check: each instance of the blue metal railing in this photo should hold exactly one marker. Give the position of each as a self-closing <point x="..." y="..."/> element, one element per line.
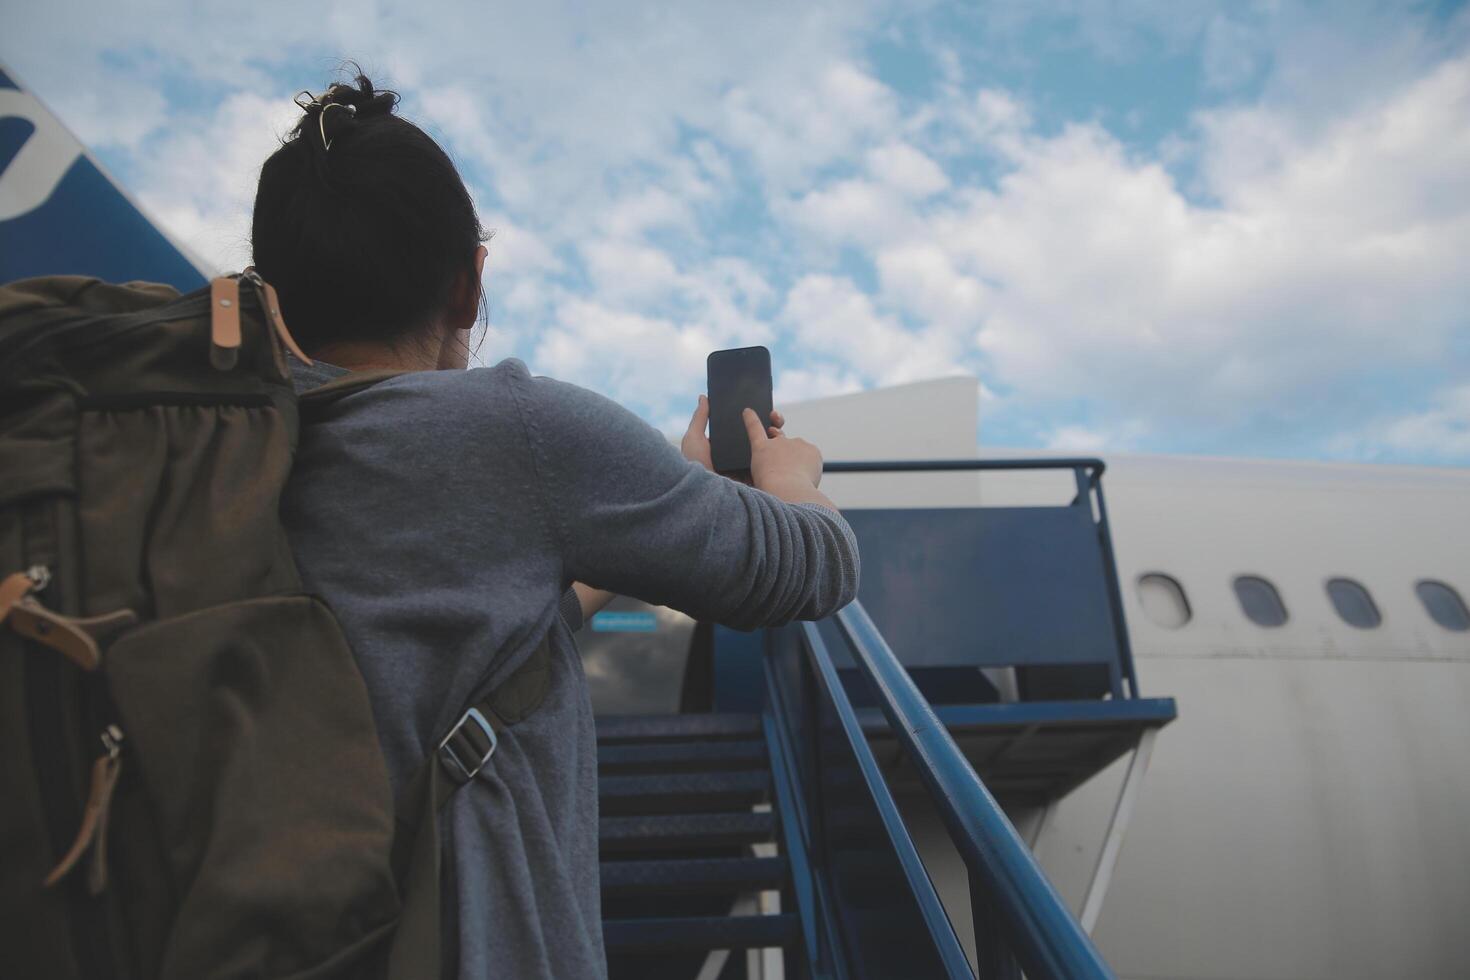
<point x="867" y="903"/>
<point x="1093" y="466"/>
<point x="1006" y="880"/>
<point x="947" y="949"/>
<point x="1087" y="472"/>
<point x="818" y="768"/>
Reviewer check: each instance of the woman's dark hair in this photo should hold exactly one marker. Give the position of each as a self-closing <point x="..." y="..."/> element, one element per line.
<point x="362" y="222"/>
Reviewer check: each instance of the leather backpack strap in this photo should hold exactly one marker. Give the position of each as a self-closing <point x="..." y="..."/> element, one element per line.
<point x="415" y="953"/>
<point x="333" y="391"/>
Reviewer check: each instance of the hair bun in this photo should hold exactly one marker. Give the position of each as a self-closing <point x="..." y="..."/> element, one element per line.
<point x="364" y="100"/>
<point x="356" y="102"/>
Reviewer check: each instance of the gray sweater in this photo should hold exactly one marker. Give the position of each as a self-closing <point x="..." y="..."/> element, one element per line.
<point x="442" y="514"/>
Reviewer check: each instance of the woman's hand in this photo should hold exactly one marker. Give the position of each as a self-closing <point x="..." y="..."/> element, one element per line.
<point x="780" y="465"/>
<point x="695" y="445"/>
<point x="591" y="600"/>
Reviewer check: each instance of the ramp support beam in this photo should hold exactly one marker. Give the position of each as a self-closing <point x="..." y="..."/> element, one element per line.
<point x="1107" y="858"/>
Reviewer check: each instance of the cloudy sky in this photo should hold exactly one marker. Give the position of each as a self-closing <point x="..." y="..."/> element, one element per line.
<point x="1235" y="228"/>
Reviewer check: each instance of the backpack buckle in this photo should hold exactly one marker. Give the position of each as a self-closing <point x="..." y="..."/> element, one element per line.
<point x="467" y="748"/>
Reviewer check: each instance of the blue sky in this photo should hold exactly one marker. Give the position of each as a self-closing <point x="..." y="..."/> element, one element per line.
<point x="1214" y="228"/>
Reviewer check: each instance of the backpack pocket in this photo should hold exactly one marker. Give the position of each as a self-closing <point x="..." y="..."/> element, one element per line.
<point x="250" y="727"/>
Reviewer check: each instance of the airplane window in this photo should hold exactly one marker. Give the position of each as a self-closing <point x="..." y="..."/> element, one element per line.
<point x="1353" y="603"/>
<point x="1260" y="601"/>
<point x="1163" y="600"/>
<point x="1443" y="605"/>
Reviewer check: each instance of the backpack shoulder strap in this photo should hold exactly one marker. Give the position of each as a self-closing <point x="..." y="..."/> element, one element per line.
<point x="333" y="391"/>
<point x="415" y="949"/>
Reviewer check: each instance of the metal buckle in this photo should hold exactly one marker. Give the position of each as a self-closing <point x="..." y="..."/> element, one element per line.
<point x="459" y="767"/>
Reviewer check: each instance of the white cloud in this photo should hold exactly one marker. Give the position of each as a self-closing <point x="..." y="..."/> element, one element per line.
<point x="525" y="297"/>
<point x="920" y="276"/>
<point x="515" y="249"/>
<point x="789" y="132"/>
<point x="817" y="381"/>
<point x="1440" y="432"/>
<point x="831" y="318"/>
<point x="855" y="211"/>
<point x="625" y="355"/>
<point x="123" y="115"/>
<point x="961" y="123"/>
<point x="1232" y="52"/>
<point x="1089" y="439"/>
<point x="626" y="272"/>
<point x="906" y="170"/>
<point x="1087" y="272"/>
<point x="199" y="180"/>
<point x="647" y="209"/>
<point x="736" y="281"/>
<point x="611" y="345"/>
<point x="491" y="345"/>
<point x="713" y="162"/>
<point x="1322" y="257"/>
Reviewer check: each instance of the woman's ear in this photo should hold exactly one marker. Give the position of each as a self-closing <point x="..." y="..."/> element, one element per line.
<point x="455" y="350"/>
<point x="466" y="307"/>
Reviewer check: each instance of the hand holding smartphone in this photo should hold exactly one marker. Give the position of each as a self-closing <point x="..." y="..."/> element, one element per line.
<point x="786" y="467"/>
<point x="737" y="379"/>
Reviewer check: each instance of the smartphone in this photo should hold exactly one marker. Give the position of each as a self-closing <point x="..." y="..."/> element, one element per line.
<point x="738" y="379"/>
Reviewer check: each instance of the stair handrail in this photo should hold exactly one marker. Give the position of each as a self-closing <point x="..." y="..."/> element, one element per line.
<point x="1047" y="940"/>
<point x="1093" y="466"/>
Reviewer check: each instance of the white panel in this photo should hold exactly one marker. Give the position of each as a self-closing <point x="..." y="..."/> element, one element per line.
<point x="925" y="420"/>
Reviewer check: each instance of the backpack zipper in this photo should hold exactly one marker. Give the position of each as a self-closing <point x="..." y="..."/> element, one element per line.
<point x="43" y="681"/>
<point x="92" y="835"/>
<point x="16" y="588"/>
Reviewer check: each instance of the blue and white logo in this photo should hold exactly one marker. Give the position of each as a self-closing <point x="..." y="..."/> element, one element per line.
<point x="61" y="215"/>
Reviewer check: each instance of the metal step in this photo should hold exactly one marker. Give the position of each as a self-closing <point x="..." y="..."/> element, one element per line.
<point x="719" y="876"/>
<point x="647" y="728"/>
<point x="680" y="756"/>
<point x="712" y="932"/>
<point x="688" y="792"/>
<point x="684" y="830"/>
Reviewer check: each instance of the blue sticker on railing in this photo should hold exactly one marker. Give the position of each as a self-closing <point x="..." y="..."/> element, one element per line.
<point x="624" y="622"/>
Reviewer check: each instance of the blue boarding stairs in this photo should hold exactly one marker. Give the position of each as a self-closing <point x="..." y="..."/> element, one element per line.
<point x="983" y="673"/>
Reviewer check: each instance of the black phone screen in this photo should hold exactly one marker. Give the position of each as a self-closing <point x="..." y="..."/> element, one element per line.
<point x="738" y="379"/>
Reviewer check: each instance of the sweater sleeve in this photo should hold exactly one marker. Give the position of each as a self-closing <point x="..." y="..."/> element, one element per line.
<point x="570" y="608"/>
<point x="633" y="516"/>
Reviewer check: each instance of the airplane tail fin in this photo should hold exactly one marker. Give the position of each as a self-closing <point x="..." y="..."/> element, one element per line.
<point x="61" y="214"/>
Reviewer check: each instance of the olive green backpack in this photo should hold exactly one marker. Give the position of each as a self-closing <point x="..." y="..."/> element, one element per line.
<point x="191" y="786"/>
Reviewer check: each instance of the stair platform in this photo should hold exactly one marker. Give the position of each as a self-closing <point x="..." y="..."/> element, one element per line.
<point x="1030" y="752"/>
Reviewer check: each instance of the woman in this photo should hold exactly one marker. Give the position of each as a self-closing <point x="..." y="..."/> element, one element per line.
<point x="443" y="513"/>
